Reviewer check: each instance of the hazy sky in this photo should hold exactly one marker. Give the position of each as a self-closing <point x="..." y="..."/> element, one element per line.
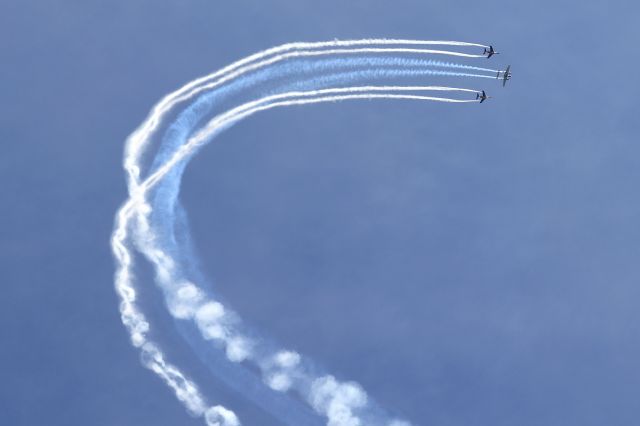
<point x="468" y="265"/>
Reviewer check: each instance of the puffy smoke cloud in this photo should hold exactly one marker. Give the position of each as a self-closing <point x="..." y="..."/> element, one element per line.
<point x="280" y="382"/>
<point x="287" y="359"/>
<point x="184" y="302"/>
<point x="283" y="370"/>
<point x="337" y="401"/>
<point x="238" y="349"/>
<point x="215" y="322"/>
<point x="210" y="319"/>
<point x="220" y="416"/>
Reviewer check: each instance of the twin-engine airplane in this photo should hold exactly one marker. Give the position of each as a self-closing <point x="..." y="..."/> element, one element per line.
<point x="506" y="75"/>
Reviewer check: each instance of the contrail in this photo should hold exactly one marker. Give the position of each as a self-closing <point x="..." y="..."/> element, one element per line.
<point x="150" y="223"/>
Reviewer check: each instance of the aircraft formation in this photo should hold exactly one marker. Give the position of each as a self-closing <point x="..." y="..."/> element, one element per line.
<point x="504" y="75"/>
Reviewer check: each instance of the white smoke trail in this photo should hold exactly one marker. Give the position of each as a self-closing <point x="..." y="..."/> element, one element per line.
<point x="210" y="315"/>
<point x="269" y="102"/>
<point x="344" y="404"/>
<point x="135" y="142"/>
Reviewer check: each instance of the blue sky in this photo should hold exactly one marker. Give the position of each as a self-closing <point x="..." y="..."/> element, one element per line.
<point x="468" y="265"/>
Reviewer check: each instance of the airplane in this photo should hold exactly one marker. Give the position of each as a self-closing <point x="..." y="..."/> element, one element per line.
<point x="506" y="75"/>
<point x="490" y="52"/>
<point x="482" y="97"/>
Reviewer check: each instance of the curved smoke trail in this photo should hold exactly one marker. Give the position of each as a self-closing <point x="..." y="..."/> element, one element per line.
<point x="136" y="142"/>
<point x="152" y="224"/>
